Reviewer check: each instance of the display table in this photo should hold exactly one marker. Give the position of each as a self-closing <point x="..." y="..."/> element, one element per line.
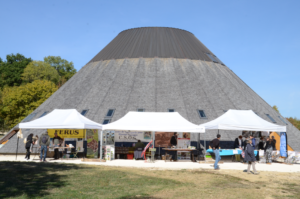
<point x="63" y="150"/>
<point x="180" y="158"/>
<point x="227" y="152"/>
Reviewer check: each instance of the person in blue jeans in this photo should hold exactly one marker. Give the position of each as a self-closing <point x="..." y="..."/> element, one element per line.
<point x="215" y="145"/>
<point x="44" y="142"/>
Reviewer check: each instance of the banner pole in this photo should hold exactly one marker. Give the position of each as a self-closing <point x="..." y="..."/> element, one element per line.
<point x="101" y="138"/>
<point x="286" y="141"/>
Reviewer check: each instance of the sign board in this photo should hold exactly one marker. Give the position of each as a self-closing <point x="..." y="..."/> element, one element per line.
<point x="283" y="148"/>
<point x="183" y="140"/>
<point x="132" y="136"/>
<point x="67" y="133"/>
<point x="162" y="139"/>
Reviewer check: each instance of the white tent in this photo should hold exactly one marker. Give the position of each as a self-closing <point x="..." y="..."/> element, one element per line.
<point x="61" y="119"/>
<point x="154" y="121"/>
<point x="242" y="120"/>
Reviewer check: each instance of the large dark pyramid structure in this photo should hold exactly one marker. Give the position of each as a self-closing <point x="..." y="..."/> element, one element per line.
<point x="157" y="69"/>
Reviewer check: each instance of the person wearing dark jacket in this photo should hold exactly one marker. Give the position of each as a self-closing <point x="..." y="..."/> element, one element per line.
<point x="261" y="144"/>
<point x="273" y="143"/>
<point x="173" y="143"/>
<point x="56" y="143"/>
<point x="238" y="143"/>
<point x="173" y="140"/>
<point x="245" y="142"/>
<point x="253" y="140"/>
<point x="250" y="157"/>
<point x="215" y="145"/>
<point x="27" y="146"/>
<point x="268" y="150"/>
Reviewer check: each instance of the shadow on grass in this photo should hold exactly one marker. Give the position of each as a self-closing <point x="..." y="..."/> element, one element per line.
<point x="31" y="179"/>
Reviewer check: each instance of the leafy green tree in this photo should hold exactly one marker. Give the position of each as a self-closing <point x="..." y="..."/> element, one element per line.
<point x="39" y="70"/>
<point x="3" y="127"/>
<point x="275" y="108"/>
<point x="64" y="68"/>
<point x="12" y="69"/>
<point x="18" y="102"/>
<point x="294" y="121"/>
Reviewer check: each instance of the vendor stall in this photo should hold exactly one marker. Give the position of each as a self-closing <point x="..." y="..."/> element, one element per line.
<point x="143" y="125"/>
<point x="69" y="124"/>
<point x="243" y="120"/>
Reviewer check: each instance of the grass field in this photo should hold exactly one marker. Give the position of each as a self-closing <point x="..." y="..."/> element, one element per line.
<point x="53" y="180"/>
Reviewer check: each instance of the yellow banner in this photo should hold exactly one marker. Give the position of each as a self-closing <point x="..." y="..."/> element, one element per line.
<point x="67" y="133"/>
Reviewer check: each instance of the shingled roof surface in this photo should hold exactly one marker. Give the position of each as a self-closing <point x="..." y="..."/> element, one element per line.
<point x="157" y="84"/>
<point x="150" y="42"/>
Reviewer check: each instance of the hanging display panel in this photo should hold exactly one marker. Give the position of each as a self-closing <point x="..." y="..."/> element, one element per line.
<point x="132" y="136"/>
<point x="92" y="143"/>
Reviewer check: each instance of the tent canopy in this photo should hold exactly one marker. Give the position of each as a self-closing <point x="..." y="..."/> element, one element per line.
<point x="61" y="119"/>
<point x="154" y="121"/>
<point x="242" y="120"/>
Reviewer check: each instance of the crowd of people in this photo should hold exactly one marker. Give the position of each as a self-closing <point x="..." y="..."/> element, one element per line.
<point x="247" y="146"/>
<point x="44" y="142"/>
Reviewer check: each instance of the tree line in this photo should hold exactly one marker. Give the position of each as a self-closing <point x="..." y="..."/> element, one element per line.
<point x="293" y="120"/>
<point x="25" y="84"/>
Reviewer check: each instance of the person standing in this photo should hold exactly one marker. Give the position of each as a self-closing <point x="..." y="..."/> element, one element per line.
<point x="27" y="146"/>
<point x="173" y="140"/>
<point x="34" y="141"/>
<point x="173" y="143"/>
<point x="273" y="143"/>
<point x="261" y="144"/>
<point x="254" y="145"/>
<point x="215" y="145"/>
<point x="238" y="143"/>
<point x="269" y="150"/>
<point x="44" y="142"/>
<point x="250" y="157"/>
<point x="253" y="140"/>
<point x="56" y="143"/>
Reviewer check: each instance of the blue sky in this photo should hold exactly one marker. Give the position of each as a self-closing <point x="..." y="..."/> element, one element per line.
<point x="258" y="40"/>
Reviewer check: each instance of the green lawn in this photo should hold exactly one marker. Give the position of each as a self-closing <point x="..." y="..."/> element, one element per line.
<point x="53" y="180"/>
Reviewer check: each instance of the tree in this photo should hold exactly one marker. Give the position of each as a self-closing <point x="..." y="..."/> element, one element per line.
<point x="39" y="70"/>
<point x="18" y="102"/>
<point x="3" y="127"/>
<point x="12" y="69"/>
<point x="275" y="108"/>
<point x="64" y="68"/>
<point x="294" y="122"/>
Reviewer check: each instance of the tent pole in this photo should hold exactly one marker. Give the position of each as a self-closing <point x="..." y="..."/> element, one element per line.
<point x="17" y="148"/>
<point x="204" y="150"/>
<point x="101" y="138"/>
<point x="153" y="138"/>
